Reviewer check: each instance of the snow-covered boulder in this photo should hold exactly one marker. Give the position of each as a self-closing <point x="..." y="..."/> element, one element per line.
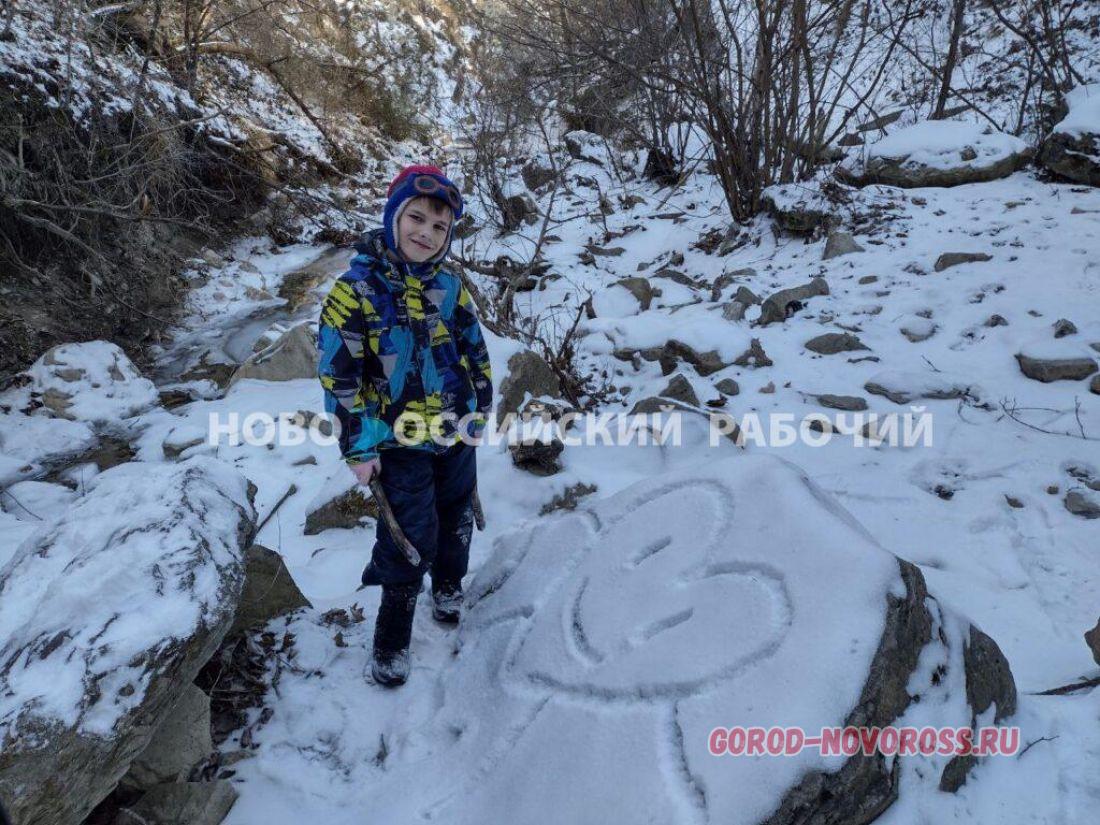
<point x="1056" y="359"/>
<point x="105" y="617"/>
<point x="601" y="649"/>
<point x="93" y="382"/>
<point x="1073" y="149"/>
<point x="937" y="153"/>
<point x="800" y="209"/>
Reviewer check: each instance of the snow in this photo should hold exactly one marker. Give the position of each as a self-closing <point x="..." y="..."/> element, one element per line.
<point x="141" y="560"/>
<point x="1084" y="111"/>
<point x="937" y="144"/>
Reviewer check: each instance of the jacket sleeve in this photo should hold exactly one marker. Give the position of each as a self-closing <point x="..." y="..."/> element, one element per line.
<point x="341" y="336"/>
<point x="471" y="343"/>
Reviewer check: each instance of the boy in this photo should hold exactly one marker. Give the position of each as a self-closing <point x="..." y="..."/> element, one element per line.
<point x="405" y="371"/>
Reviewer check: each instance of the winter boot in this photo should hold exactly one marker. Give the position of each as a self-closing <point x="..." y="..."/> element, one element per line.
<point x="447" y="602"/>
<point x="392" y="634"/>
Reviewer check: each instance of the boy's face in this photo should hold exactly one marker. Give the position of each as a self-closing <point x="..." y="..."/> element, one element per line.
<point x="422" y="229"/>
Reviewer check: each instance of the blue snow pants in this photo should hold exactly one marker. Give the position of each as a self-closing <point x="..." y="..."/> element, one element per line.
<point x="431" y="495"/>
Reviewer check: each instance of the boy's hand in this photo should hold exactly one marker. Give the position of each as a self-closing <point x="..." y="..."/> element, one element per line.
<point x="366" y="470"/>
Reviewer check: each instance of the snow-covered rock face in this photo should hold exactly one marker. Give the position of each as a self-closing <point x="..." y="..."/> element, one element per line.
<point x="937" y="153"/>
<point x="600" y="650"/>
<point x="104" y="616"/>
<point x="92" y="382"/>
<point x="1073" y="150"/>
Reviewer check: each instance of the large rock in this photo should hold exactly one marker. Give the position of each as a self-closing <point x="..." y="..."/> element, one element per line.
<point x="269" y="590"/>
<point x="105" y="619"/>
<point x="664" y="617"/>
<point x="937" y="153"/>
<point x="782" y="304"/>
<point x="529" y="376"/>
<point x="838" y="244"/>
<point x="93" y="382"/>
<point x="799" y="209"/>
<point x="182" y="741"/>
<point x="184" y="803"/>
<point x="292" y="356"/>
<point x="1072" y="151"/>
<point x="1056" y="369"/>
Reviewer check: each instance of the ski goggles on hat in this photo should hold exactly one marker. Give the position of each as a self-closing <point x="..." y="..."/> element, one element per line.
<point x="428" y="185"/>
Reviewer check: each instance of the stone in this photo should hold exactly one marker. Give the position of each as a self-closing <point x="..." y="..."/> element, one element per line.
<point x="92" y="381"/>
<point x="831" y="343"/>
<point x="516" y="210"/>
<point x="604" y="251"/>
<point x="704" y="362"/>
<point x="181" y="540"/>
<point x="528" y="376"/>
<point x="902" y="386"/>
<point x="1094" y="385"/>
<point x="1092" y="639"/>
<point x="961" y="153"/>
<point x="678" y="585"/>
<point x="868" y="279"/>
<point x="269" y="590"/>
<point x="291" y="357"/>
<point x="1062" y="328"/>
<point x="918" y="329"/>
<point x="181" y="741"/>
<point x="535" y="175"/>
<point x="950" y="259"/>
<point x="799" y="211"/>
<point x="1056" y="369"/>
<point x="754" y="356"/>
<point x="769" y="388"/>
<point x="733" y="311"/>
<point x="840" y="243"/>
<point x="680" y="389"/>
<point x="299" y="287"/>
<point x="1081" y="504"/>
<point x="727" y="278"/>
<point x="727" y="386"/>
<point x="782" y="304"/>
<point x="996" y="321"/>
<point x="850" y="403"/>
<point x="746" y="296"/>
<point x="342" y="504"/>
<point x="184" y="803"/>
<point x="586" y="146"/>
<point x="641" y="289"/>
<point x="1072" y="150"/>
<point x="539" y="457"/>
<point x="660" y="167"/>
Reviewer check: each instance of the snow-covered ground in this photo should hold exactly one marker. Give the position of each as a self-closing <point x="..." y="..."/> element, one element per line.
<point x="978" y="506"/>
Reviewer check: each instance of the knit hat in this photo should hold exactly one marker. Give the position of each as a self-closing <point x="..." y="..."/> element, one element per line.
<point x="409" y="184"/>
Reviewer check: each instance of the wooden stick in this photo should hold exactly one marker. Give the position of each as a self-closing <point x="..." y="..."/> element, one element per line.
<point x="391" y="523"/>
<point x="290" y="491"/>
<point x="479" y="514"/>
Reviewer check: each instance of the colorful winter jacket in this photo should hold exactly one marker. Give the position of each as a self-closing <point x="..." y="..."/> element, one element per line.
<point x="396" y="342"/>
